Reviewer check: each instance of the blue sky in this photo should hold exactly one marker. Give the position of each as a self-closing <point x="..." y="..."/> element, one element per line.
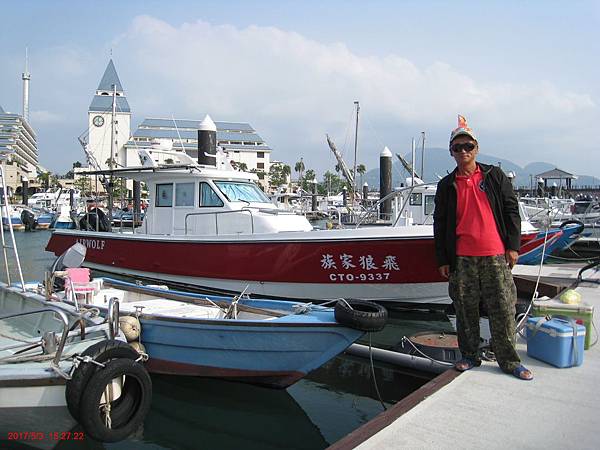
<point x="524" y="73"/>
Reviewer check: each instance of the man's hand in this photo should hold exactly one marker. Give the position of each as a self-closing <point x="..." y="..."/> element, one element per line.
<point x="511" y="258"/>
<point x="444" y="271"/>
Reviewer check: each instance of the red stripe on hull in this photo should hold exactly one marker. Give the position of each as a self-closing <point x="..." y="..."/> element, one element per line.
<point x="370" y="261"/>
<point x="266" y="378"/>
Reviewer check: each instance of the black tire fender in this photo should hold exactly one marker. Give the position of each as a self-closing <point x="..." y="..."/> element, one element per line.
<point x="101" y="352"/>
<point x="572" y="221"/>
<point x="127" y="412"/>
<point x="361" y="315"/>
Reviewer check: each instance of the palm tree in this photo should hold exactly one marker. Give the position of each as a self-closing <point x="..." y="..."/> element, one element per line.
<point x="44" y="179"/>
<point x="299" y="167"/>
<point x="287" y="171"/>
<point x="361" y="169"/>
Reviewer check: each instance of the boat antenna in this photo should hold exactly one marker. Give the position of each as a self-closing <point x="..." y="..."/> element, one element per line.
<point x="412" y="172"/>
<point x="355" y="152"/>
<point x="178" y="135"/>
<point x="422" y="155"/>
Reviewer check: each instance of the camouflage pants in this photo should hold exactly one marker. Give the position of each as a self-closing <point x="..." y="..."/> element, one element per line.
<point x="487" y="279"/>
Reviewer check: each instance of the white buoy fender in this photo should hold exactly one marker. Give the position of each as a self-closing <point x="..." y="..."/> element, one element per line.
<point x="130" y="326"/>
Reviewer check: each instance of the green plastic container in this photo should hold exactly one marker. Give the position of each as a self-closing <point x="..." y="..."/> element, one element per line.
<point x="581" y="311"/>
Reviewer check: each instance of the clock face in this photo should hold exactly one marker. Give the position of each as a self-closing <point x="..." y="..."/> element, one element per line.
<point x="98" y="121"/>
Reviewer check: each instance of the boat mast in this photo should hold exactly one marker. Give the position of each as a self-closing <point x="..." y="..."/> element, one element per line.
<point x="423" y="155"/>
<point x="111" y="161"/>
<point x="355" y="152"/>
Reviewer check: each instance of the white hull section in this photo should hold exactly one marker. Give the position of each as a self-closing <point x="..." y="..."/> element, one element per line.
<point x="422" y="293"/>
<point x="32" y="396"/>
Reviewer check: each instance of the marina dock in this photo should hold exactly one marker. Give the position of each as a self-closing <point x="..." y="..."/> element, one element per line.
<point x="484" y="408"/>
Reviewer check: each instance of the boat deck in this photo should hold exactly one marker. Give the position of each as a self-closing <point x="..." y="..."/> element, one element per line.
<point x="484" y="408"/>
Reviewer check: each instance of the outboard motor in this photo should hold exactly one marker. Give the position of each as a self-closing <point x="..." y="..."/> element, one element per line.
<point x="72" y="257"/>
<point x="28" y="220"/>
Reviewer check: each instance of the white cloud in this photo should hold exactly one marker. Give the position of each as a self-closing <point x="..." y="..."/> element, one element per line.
<point x="45" y="117"/>
<point x="294" y="90"/>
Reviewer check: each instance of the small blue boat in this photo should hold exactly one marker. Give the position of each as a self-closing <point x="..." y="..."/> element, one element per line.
<point x="269" y="342"/>
<point x="557" y="239"/>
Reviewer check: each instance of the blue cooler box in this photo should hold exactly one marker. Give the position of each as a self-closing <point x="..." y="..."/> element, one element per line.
<point x="553" y="341"/>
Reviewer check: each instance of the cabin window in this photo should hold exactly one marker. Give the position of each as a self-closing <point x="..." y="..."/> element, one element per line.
<point x="416" y="199"/>
<point x="242" y="192"/>
<point x="184" y="194"/>
<point x="208" y="197"/>
<point x="429" y="204"/>
<point x="164" y="195"/>
<point x="260" y="154"/>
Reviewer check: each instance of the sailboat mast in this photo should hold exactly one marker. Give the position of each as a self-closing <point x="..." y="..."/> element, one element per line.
<point x="111" y="161"/>
<point x="355" y="151"/>
<point x="423" y="155"/>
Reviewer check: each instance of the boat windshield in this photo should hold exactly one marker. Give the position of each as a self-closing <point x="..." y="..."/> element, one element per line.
<point x="245" y="192"/>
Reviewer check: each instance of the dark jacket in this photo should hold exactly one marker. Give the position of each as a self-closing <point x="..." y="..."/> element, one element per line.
<point x="503" y="202"/>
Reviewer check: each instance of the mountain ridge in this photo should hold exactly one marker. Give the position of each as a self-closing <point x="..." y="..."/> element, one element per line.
<point x="438" y="163"/>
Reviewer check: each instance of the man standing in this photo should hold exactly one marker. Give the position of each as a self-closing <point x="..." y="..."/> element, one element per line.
<point x="477" y="231"/>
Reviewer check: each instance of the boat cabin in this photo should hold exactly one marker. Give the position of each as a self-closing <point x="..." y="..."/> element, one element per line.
<point x="186" y="198"/>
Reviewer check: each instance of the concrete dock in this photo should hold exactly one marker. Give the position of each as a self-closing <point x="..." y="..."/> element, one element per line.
<point x="485" y="408"/>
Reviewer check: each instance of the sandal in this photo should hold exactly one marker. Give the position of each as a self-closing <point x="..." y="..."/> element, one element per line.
<point x="519" y="372"/>
<point x="466" y="364"/>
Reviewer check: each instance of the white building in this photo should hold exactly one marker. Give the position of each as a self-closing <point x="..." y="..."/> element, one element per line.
<point x="243" y="144"/>
<point x="19" y="142"/>
<point x="100" y="124"/>
<point x="240" y="140"/>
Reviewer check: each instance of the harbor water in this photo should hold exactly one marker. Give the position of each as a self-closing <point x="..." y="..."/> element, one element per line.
<point x="191" y="413"/>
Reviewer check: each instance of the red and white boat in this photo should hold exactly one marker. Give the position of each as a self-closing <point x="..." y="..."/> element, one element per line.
<point x="212" y="227"/>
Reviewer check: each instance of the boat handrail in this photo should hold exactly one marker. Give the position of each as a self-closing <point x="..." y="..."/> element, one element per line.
<point x="65" y="331"/>
<point x="395" y="193"/>
<point x="217" y="213"/>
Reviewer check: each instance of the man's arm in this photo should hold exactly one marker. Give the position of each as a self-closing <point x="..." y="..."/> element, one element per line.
<point x="439" y="226"/>
<point x="510" y="211"/>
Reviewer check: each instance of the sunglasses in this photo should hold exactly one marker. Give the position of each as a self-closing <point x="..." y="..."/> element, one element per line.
<point x="467" y="147"/>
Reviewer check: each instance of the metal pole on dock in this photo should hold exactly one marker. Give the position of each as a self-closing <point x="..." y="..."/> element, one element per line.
<point x="137" y="200"/>
<point x="385" y="181"/>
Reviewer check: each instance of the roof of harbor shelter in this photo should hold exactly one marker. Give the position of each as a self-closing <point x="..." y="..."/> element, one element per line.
<point x="556" y="173"/>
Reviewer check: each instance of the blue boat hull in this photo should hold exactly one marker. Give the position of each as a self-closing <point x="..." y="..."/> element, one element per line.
<point x="277" y="351"/>
<point x="556" y="240"/>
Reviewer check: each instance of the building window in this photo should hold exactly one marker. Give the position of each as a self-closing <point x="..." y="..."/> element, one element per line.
<point x="260" y="165"/>
<point x="164" y="195"/>
<point x="260" y="154"/>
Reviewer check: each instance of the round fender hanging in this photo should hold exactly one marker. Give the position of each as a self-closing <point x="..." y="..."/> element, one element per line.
<point x="101" y="352"/>
<point x="130" y="326"/>
<point x="108" y="414"/>
<point x="361" y="315"/>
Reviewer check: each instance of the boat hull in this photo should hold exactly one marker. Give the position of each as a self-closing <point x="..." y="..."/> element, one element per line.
<point x="317" y="265"/>
<point x="276" y="356"/>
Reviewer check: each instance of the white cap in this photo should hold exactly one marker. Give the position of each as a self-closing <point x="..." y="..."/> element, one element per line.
<point x="207" y="124"/>
<point x="386" y="153"/>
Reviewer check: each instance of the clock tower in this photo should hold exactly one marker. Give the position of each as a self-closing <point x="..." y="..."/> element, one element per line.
<point x="100" y="123"/>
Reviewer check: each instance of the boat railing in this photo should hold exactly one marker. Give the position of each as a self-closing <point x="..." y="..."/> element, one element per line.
<point x="63" y="339"/>
<point x="217" y="214"/>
